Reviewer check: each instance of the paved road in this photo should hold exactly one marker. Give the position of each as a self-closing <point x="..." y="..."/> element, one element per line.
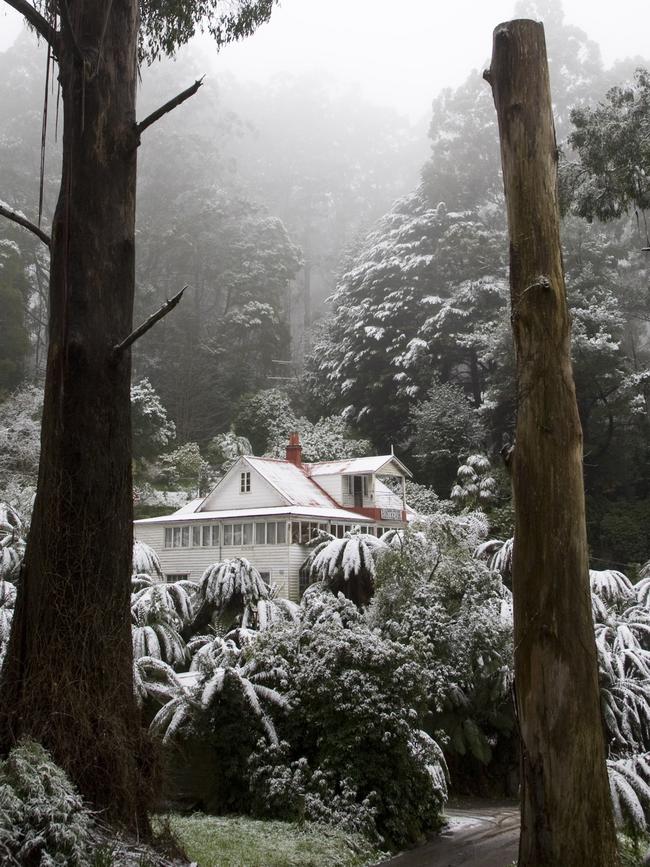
<point x="479" y="834"/>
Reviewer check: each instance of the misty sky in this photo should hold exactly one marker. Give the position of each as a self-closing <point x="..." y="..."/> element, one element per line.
<point x="402" y="52"/>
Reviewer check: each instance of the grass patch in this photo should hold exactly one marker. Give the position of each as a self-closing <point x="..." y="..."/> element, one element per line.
<point x="237" y="841"/>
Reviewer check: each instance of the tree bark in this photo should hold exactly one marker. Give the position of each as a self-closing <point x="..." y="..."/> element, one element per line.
<point x="566" y="808"/>
<point x="68" y="676"/>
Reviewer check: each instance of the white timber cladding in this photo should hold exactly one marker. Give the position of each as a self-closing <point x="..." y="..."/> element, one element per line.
<point x="332" y="485"/>
<point x="193" y="561"/>
<point x="228" y="494"/>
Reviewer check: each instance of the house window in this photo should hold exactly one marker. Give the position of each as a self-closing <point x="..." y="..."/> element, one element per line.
<point x="245" y="483"/>
<point x="348" y="485"/>
<point x="177" y="537"/>
<point x="366" y="486"/>
<point x="227" y="534"/>
<point x="236" y="534"/>
<point x="215" y="534"/>
<point x="206" y="539"/>
<point x="266" y="577"/>
<point x="247" y="535"/>
<point x="196" y="536"/>
<point x="176" y="576"/>
<point x="281" y="532"/>
<point x="271" y="534"/>
<point x="260" y="534"/>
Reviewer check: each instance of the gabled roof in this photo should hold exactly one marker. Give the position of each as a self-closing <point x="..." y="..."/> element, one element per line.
<point x="359" y="466"/>
<point x="291" y="482"/>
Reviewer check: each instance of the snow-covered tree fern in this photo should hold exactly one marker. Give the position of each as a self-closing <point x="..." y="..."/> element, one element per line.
<point x="12" y="542"/>
<point x="219" y="664"/>
<point x="170" y="602"/>
<point x="498" y="555"/>
<point x="154" y="679"/>
<point x="146" y="561"/>
<point x="629" y="784"/>
<point x="347" y="565"/>
<point x="226" y="591"/>
<point x="475" y="486"/>
<point x="611" y="586"/>
<point x="7" y="601"/>
<point x="159" y="638"/>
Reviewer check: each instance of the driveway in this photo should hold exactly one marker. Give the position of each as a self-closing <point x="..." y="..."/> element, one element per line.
<point x="479" y="834"/>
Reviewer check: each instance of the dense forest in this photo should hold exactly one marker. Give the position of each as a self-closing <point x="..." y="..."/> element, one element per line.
<point x="346" y="274"/>
<point x="364" y="284"/>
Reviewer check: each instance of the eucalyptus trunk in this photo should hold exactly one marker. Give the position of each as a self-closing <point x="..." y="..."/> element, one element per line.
<point x="566" y="807"/>
<point x="68" y="678"/>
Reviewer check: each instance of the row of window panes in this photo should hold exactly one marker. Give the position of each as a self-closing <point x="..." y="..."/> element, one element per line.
<point x="208" y="535"/>
<point x="262" y="532"/>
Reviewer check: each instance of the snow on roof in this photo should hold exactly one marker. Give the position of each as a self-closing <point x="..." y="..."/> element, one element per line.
<point x="192" y="506"/>
<point x="372" y="464"/>
<point x="319" y="512"/>
<point x="291" y="481"/>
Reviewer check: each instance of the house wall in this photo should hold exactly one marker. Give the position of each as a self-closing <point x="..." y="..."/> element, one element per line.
<point x="332" y="485"/>
<point x="227" y="494"/>
<point x="276" y="559"/>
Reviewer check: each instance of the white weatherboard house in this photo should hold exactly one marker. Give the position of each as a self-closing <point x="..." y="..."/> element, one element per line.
<point x="267" y="510"/>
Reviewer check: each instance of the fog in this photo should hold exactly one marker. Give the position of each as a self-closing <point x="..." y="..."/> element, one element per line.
<point x="399" y="54"/>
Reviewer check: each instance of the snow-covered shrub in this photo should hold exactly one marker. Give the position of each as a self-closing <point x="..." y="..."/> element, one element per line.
<point x="286" y="789"/>
<point x="355" y="707"/>
<point x="455" y="614"/>
<point x="347" y="565"/>
<point x="42" y="817"/>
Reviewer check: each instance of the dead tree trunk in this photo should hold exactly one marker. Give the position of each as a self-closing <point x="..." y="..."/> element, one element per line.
<point x="566" y="808"/>
<point x="68" y="679"/>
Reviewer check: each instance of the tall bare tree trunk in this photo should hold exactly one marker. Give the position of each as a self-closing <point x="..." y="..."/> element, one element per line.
<point x="566" y="809"/>
<point x="67" y="680"/>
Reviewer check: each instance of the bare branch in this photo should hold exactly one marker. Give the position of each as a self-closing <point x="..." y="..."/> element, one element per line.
<point x="148" y="323"/>
<point x="38" y="22"/>
<point x="168" y="106"/>
<point x="22" y="221"/>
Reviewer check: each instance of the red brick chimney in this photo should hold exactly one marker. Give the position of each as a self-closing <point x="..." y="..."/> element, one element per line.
<point x="294" y="450"/>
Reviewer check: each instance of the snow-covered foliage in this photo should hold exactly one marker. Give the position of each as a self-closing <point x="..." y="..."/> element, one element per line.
<point x="228" y="590"/>
<point x="455" y="614"/>
<point x="475" y="486"/>
<point x="146" y="561"/>
<point x="152" y="430"/>
<point x="629" y="783"/>
<point x="157" y="638"/>
<point x="220" y="665"/>
<point x="43" y="820"/>
<point x="171" y="603"/>
<point x="498" y="555"/>
<point x="611" y="586"/>
<point x="347" y="565"/>
<point x="355" y="701"/>
<point x="268" y="418"/>
<point x="12" y="542"/>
